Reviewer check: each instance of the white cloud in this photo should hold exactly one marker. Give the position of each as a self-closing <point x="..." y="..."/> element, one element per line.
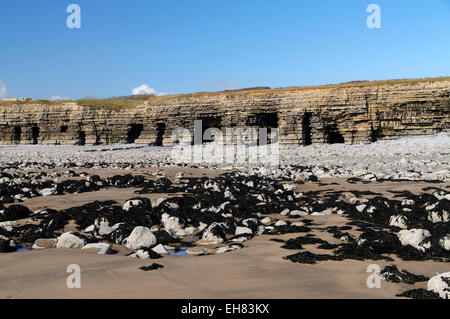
<point x="3" y="90"/>
<point x="145" y="89"/>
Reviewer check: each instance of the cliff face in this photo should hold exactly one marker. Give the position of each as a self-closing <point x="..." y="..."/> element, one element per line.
<point x="350" y="114"/>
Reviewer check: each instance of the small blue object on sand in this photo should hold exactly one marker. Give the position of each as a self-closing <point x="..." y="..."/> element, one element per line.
<point x="178" y="252"/>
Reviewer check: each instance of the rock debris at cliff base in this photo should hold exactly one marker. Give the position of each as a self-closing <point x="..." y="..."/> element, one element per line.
<point x="413" y="158"/>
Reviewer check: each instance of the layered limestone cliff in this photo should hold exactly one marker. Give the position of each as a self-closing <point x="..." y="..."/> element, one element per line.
<point x="352" y="113"/>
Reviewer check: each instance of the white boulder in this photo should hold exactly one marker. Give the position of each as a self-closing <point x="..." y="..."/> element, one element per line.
<point x="160" y="249"/>
<point x="140" y="237"/>
<point x="296" y="213"/>
<point x="102" y="248"/>
<point x="243" y="230"/>
<point x="440" y="285"/>
<point x="44" y="243"/>
<point x="48" y="191"/>
<point x="132" y="203"/>
<point x="209" y="236"/>
<point x="445" y="242"/>
<point x="141" y="254"/>
<point x="398" y="221"/>
<point x="361" y="207"/>
<point x="280" y="223"/>
<point x="173" y="226"/>
<point x="68" y="240"/>
<point x="436" y="217"/>
<point x="266" y="221"/>
<point x="284" y="212"/>
<point x="414" y="237"/>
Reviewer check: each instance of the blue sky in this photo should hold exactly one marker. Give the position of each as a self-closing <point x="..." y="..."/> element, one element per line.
<point x="179" y="46"/>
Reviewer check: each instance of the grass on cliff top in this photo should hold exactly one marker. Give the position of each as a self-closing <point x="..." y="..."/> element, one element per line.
<point x="42" y="102"/>
<point x="267" y="90"/>
<point x="111" y="103"/>
<point x="128" y="102"/>
<point x="114" y="103"/>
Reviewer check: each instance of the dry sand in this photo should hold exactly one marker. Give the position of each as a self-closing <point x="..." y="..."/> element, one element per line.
<point x="257" y="271"/>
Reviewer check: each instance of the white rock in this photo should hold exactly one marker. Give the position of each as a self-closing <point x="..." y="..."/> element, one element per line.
<point x="360" y="208"/>
<point x="436" y="217"/>
<point x="131" y="203"/>
<point x="172" y="225"/>
<point x="48" y="191"/>
<point x="296" y="213"/>
<point x="323" y="213"/>
<point x="102" y="248"/>
<point x="199" y="251"/>
<point x="284" y="212"/>
<point x="179" y="175"/>
<point x="160" y="249"/>
<point x="240" y="239"/>
<point x="208" y="235"/>
<point x="141" y="254"/>
<point x="44" y="243"/>
<point x="298" y="224"/>
<point x="104" y="228"/>
<point x="399" y="221"/>
<point x="414" y="238"/>
<point x="432" y="206"/>
<point x="408" y="202"/>
<point x="266" y="221"/>
<point x="140" y="237"/>
<point x="445" y="242"/>
<point x="89" y="229"/>
<point x="171" y="205"/>
<point x="225" y="249"/>
<point x="260" y="229"/>
<point x="371" y="209"/>
<point x="158" y="201"/>
<point x="68" y="240"/>
<point x="245" y="221"/>
<point x="439" y="286"/>
<point x="280" y="223"/>
<point x="289" y="187"/>
<point x="243" y="230"/>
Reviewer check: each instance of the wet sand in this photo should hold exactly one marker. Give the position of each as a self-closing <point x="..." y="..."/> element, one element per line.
<point x="256" y="271"/>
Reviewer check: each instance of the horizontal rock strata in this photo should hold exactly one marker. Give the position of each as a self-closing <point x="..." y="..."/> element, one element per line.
<point x="358" y="113"/>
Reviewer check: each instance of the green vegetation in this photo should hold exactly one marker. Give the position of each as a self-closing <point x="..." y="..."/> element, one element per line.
<point x="44" y="102"/>
<point x="158" y="100"/>
<point x="111" y="103"/>
<point x="127" y="102"/>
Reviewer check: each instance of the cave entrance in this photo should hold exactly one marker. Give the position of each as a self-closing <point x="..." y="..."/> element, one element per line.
<point x="160" y="130"/>
<point x="375" y="135"/>
<point x="34" y="134"/>
<point x="333" y="136"/>
<point x="134" y="131"/>
<point x="81" y="138"/>
<point x="210" y="122"/>
<point x="17" y="134"/>
<point x="263" y="122"/>
<point x="306" y="129"/>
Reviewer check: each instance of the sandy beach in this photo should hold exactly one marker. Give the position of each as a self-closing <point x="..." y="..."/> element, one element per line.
<point x="255" y="271"/>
